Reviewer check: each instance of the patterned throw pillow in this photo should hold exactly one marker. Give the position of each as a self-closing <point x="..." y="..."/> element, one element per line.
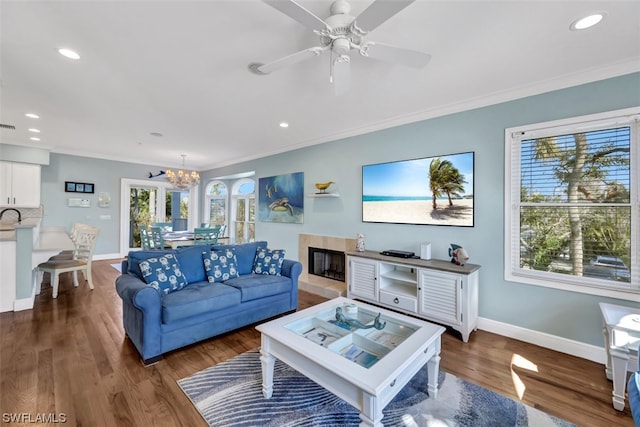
<point x="163" y="273"/>
<point x="220" y="265"/>
<point x="268" y="261"/>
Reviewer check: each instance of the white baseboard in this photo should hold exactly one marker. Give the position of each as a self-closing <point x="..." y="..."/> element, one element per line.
<point x="553" y="342"/>
<point x="25" y="303"/>
<point x="101" y="257"/>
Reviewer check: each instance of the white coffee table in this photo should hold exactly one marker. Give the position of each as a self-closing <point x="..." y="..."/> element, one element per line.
<point x="384" y="360"/>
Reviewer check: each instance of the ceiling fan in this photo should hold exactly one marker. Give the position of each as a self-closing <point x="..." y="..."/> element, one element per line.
<point x="341" y="33"/>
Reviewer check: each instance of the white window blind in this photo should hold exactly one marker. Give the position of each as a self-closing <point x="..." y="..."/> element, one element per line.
<point x="572" y="204"/>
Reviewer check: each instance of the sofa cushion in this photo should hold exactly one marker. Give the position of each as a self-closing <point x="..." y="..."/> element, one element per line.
<point x="245" y="254"/>
<point x="163" y="273"/>
<point x="268" y="261"/>
<point x="220" y="265"/>
<point x="135" y="257"/>
<point x="190" y="258"/>
<point x="255" y="286"/>
<point x="198" y="298"/>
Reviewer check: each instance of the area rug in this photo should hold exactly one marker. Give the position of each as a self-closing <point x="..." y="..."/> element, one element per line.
<point x="117" y="266"/>
<point x="230" y="394"/>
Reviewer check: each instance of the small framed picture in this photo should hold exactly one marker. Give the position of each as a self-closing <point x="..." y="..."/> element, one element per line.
<point x="79" y="187"/>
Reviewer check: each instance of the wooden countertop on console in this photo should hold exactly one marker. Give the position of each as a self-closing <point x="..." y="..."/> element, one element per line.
<point x="435" y="264"/>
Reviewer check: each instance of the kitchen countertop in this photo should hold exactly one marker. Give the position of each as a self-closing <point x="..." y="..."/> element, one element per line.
<point x="49" y="239"/>
<point x="53" y="238"/>
<point x="7" y="236"/>
<point x="8" y="229"/>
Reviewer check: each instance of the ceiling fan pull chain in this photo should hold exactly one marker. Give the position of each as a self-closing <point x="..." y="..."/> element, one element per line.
<point x="331" y="67"/>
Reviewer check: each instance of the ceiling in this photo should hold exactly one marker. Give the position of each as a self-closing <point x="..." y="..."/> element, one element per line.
<point x="180" y="68"/>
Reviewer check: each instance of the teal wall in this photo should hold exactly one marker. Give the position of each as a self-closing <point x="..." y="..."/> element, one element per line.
<point x="24" y="249"/>
<point x="106" y="176"/>
<point x="565" y="314"/>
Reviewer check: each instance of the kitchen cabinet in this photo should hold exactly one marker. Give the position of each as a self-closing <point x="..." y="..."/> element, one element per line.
<point x="20" y="185"/>
<point x="434" y="290"/>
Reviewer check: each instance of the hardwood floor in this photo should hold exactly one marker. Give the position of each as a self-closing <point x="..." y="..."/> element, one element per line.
<point x="69" y="358"/>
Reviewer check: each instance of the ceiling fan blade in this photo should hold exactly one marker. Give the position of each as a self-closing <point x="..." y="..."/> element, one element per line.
<point x="341" y="74"/>
<point x="294" y="58"/>
<point x="377" y="13"/>
<point x="395" y="55"/>
<point x="298" y="13"/>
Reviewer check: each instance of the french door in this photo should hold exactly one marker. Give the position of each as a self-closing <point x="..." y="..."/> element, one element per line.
<point x="144" y="202"/>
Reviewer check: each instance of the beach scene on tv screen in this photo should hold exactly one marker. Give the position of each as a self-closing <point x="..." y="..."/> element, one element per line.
<point x="434" y="190"/>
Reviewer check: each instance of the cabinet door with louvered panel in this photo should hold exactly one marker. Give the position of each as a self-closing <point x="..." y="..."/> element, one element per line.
<point x="440" y="296"/>
<point x="362" y="279"/>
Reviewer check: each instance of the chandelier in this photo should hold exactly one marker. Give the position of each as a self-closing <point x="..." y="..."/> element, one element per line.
<point x="183" y="178"/>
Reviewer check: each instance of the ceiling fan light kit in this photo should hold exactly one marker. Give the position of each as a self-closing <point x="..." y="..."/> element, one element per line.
<point x="341" y="33"/>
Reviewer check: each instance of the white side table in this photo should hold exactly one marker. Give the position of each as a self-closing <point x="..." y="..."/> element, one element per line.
<point x="621" y="329"/>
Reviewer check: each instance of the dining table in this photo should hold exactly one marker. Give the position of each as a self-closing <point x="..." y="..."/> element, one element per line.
<point x="176" y="239"/>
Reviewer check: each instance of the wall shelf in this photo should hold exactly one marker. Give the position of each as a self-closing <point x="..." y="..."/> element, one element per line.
<point x="322" y="195"/>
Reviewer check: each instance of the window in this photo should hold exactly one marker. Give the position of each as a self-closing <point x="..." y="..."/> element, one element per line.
<point x="177" y="209"/>
<point x="243" y="210"/>
<point x="216" y="202"/>
<point x="145" y="201"/>
<point x="571" y="204"/>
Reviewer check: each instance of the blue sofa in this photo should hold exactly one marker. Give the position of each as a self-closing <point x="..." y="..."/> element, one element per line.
<point x="634" y="393"/>
<point x="157" y="322"/>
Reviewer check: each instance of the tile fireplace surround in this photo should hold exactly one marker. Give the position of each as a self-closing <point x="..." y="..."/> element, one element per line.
<point x="327" y="288"/>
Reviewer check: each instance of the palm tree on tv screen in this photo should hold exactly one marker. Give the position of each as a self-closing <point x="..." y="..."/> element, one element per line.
<point x="444" y="178"/>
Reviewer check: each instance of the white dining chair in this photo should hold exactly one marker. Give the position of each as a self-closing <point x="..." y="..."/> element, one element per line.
<point x="73" y="236"/>
<point x="81" y="261"/>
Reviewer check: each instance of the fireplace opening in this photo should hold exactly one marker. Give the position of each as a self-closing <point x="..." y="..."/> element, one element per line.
<point x="327" y="263"/>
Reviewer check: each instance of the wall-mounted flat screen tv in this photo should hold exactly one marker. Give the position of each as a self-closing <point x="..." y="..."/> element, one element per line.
<point x="432" y="191"/>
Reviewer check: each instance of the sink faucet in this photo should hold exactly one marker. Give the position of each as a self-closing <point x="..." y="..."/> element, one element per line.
<point x="12" y="209"/>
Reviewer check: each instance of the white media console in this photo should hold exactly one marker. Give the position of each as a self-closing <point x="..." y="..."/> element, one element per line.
<point x="435" y="290"/>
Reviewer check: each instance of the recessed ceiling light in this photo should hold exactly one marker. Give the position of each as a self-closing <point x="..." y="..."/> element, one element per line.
<point x="33" y="138"/>
<point x="34" y="130"/>
<point x="68" y="53"/>
<point x="587" y="21"/>
<point x="284" y="125"/>
<point x="32" y="116"/>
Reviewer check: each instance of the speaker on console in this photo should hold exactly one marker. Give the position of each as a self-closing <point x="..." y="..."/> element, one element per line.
<point x="425" y="251"/>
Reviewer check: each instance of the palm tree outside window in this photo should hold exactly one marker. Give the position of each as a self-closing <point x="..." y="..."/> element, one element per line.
<point x="572" y="217"/>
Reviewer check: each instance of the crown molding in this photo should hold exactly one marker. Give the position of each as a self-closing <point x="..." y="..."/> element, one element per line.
<point x="536" y="88"/>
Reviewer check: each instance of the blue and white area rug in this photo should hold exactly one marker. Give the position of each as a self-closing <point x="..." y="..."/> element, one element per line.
<point x="230" y="394"/>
